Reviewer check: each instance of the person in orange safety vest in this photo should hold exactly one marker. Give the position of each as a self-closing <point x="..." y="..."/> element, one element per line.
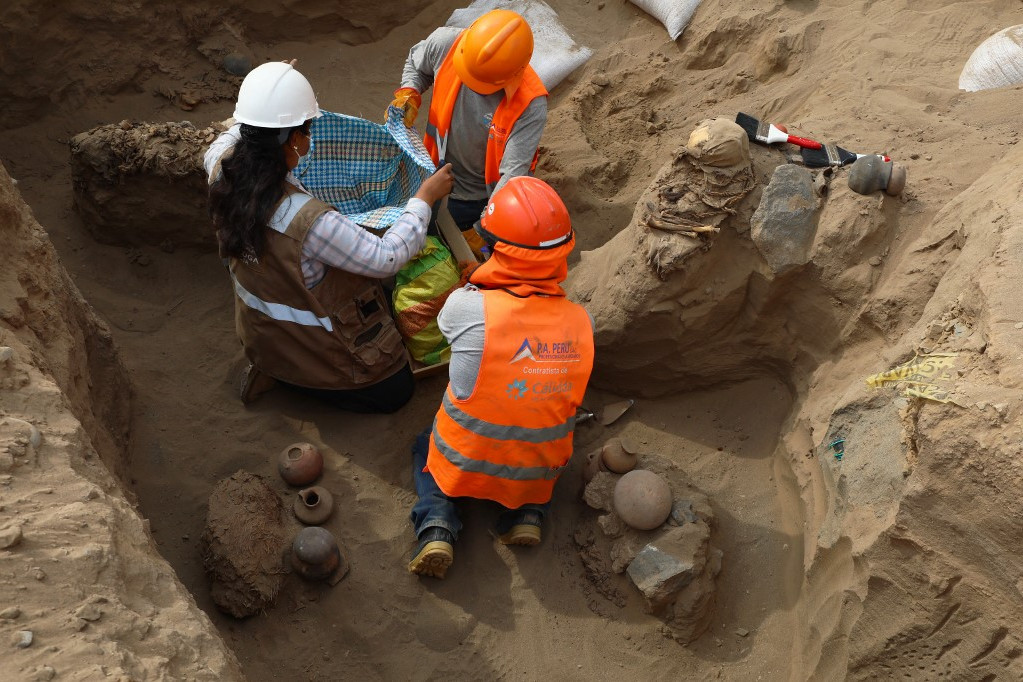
<point x="488" y="108"/>
<point x="521" y="356"/>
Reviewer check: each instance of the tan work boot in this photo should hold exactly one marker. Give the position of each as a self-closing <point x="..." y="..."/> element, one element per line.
<point x="435" y="554"/>
<point x="252" y="383"/>
<point x="526" y="533"/>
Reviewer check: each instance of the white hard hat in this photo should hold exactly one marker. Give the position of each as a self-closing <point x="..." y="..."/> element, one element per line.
<point x="275" y="95"/>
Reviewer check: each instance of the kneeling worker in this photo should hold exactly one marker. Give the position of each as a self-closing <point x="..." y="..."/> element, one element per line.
<point x="521" y="356"/>
<point x="309" y="307"/>
<point x="488" y="108"/>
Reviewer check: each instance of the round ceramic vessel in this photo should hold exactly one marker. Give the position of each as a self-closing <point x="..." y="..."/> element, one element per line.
<point x="313" y="505"/>
<point x="300" y="464"/>
<point x="642" y="499"/>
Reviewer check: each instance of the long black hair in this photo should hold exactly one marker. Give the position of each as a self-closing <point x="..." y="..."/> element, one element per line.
<point x="250" y="185"/>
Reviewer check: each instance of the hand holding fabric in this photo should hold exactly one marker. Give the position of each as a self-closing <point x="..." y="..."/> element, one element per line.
<point x="409" y="100"/>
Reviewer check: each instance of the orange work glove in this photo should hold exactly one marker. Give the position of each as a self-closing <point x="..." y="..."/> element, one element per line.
<point x="476" y="243"/>
<point x="409" y="100"/>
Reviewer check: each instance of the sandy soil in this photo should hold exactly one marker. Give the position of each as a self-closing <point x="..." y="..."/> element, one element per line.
<point x="818" y="571"/>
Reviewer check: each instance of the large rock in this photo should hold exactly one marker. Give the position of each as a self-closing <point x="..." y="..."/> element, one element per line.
<point x="243" y="543"/>
<point x="662" y="568"/>
<point x="785" y="222"/>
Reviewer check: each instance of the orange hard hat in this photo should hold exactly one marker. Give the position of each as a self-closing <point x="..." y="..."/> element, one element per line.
<point x="526" y="212"/>
<point x="494" y="52"/>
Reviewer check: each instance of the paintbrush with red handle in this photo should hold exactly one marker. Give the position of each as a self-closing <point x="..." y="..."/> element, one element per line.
<point x="767" y="133"/>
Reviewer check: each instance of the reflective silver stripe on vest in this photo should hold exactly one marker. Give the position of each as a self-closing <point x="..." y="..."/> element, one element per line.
<point x="287" y="210"/>
<point x="499" y="432"/>
<point x="479" y="466"/>
<point x="279" y="311"/>
<point x="441" y="142"/>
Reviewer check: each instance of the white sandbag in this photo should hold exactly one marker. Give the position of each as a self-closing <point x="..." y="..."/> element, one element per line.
<point x="555" y="54"/>
<point x="674" y="14"/>
<point x="998" y="61"/>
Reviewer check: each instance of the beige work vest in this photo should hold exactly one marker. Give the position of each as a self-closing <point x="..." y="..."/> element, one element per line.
<point x="337" y="335"/>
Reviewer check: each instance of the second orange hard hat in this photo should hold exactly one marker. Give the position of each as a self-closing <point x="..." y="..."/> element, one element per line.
<point x="526" y="212"/>
<point x="494" y="52"/>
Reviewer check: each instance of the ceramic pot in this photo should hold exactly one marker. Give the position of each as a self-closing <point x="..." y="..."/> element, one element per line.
<point x="315" y="555"/>
<point x="314" y="505"/>
<point x="616" y="458"/>
<point x="872" y="173"/>
<point x="643" y="499"/>
<point x="300" y="464"/>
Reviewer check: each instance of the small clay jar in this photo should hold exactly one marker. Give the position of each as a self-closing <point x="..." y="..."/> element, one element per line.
<point x="594" y="464"/>
<point x="872" y="173"/>
<point x="616" y="458"/>
<point x="314" y="505"/>
<point x="316" y="556"/>
<point x="643" y="499"/>
<point x="300" y="464"/>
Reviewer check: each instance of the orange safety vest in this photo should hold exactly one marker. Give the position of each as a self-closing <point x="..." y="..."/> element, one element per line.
<point x="446" y="86"/>
<point x="512" y="437"/>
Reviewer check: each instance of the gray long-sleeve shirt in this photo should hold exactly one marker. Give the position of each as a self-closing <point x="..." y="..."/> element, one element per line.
<point x="470" y="121"/>
<point x="462" y="321"/>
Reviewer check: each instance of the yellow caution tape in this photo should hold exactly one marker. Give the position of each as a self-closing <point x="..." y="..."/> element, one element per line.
<point x="923" y="369"/>
<point x="922" y="377"/>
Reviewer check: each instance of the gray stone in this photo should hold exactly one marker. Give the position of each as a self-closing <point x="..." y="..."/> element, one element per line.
<point x="45" y="673"/>
<point x="23" y="639"/>
<point x="682" y="513"/>
<point x="665" y="566"/>
<point x="785" y="222"/>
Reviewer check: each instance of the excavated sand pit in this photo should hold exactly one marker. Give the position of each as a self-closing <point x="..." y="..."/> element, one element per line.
<point x="897" y="560"/>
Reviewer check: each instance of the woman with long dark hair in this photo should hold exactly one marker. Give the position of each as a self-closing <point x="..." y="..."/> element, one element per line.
<point x="309" y="306"/>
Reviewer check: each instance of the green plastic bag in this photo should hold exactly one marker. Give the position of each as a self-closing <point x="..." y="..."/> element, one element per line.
<point x="422" y="287"/>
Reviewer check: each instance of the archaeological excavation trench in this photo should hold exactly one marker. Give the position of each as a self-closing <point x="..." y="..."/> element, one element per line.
<point x="891" y="555"/>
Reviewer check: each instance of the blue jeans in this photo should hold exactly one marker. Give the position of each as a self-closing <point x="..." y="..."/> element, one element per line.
<point x="466" y="213"/>
<point x="434" y="508"/>
<point x="463" y="213"/>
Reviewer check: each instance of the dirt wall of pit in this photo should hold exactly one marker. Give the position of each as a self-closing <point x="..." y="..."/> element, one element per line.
<point x="78" y="568"/>
<point x="61" y="54"/>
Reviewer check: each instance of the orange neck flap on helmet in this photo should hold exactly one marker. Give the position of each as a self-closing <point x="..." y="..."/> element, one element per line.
<point x="525" y="272"/>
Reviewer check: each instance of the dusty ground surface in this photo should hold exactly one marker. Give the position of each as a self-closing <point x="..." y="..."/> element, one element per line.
<point x="900" y="560"/>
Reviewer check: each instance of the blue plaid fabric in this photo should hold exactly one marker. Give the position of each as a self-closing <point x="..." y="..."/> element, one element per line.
<point x="365" y="170"/>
